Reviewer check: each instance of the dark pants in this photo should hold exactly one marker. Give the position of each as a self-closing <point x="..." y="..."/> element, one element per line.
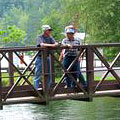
<point x="80" y="76"/>
<point x="66" y="62"/>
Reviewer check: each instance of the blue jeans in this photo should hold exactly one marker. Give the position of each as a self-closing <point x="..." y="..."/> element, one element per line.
<point x="66" y="62"/>
<point x="38" y="72"/>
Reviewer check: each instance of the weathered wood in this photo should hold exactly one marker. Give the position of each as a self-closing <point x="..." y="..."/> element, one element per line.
<point x="106" y="73"/>
<point x="22" y="60"/>
<point x="78" y="96"/>
<point x="34" y="48"/>
<point x="45" y="75"/>
<point x="52" y="69"/>
<point x="18" y="93"/>
<point x="11" y="69"/>
<point x="21" y="75"/>
<point x="89" y="71"/>
<point x="20" y="100"/>
<point x="26" y="91"/>
<point x="108" y="67"/>
<point x="67" y="72"/>
<point x="28" y="75"/>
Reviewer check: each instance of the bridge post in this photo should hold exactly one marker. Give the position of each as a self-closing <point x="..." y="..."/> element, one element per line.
<point x="52" y="69"/>
<point x="45" y="75"/>
<point x="1" y="105"/>
<point x="11" y="69"/>
<point x="89" y="72"/>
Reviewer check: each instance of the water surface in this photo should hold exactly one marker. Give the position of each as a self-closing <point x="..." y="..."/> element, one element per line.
<point x="106" y="108"/>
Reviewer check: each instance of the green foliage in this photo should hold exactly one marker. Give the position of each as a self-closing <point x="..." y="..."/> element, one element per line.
<point x="12" y="35"/>
<point x="98" y="18"/>
<point x="53" y="22"/>
<point x="110" y="53"/>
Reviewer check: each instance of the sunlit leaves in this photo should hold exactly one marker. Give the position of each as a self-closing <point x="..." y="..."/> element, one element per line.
<point x="12" y="34"/>
<point x="99" y="18"/>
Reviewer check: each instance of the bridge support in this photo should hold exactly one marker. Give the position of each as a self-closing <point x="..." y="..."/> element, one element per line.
<point x="45" y="76"/>
<point x="89" y="72"/>
<point x="11" y="69"/>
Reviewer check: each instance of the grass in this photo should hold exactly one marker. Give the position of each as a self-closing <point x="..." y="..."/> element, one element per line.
<point x="6" y="81"/>
<point x="97" y="78"/>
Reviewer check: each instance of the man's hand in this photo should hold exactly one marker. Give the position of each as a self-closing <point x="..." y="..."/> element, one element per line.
<point x="69" y="46"/>
<point x="79" y="59"/>
<point x="42" y="45"/>
<point x="55" y="44"/>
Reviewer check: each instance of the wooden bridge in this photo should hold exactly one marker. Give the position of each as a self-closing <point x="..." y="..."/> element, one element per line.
<point x="21" y="90"/>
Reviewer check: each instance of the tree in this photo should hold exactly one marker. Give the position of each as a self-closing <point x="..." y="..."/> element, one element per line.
<point x="12" y="36"/>
<point x="100" y="19"/>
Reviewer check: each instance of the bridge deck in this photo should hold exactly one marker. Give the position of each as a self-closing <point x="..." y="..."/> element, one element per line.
<point x="78" y="96"/>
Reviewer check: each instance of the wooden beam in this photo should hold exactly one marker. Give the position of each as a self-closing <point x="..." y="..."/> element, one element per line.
<point x="89" y="71"/>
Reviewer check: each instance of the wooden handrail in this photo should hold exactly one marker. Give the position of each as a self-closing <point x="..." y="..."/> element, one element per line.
<point x="90" y="50"/>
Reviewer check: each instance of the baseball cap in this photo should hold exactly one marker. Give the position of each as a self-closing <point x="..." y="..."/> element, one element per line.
<point x="69" y="27"/>
<point x="46" y="27"/>
<point x="70" y="31"/>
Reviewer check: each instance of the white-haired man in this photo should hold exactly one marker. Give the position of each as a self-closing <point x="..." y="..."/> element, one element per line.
<point x="43" y="40"/>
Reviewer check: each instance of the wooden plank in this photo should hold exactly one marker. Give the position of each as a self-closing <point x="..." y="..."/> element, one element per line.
<point x="20" y="100"/>
<point x="11" y="69"/>
<point x="61" y="90"/>
<point x="78" y="96"/>
<point x="45" y="75"/>
<point x="110" y="93"/>
<point x="89" y="71"/>
<point x="25" y="93"/>
<point x="28" y="96"/>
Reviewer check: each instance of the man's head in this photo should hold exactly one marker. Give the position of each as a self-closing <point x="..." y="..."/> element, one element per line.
<point x="70" y="33"/>
<point x="46" y="30"/>
<point x="70" y="27"/>
<point x="46" y="27"/>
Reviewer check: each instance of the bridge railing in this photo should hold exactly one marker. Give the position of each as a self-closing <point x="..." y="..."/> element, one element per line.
<point x="20" y="79"/>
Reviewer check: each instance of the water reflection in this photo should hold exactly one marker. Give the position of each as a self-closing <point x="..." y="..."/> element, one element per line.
<point x="99" y="109"/>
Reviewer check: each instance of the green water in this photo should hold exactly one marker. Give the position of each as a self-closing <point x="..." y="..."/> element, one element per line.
<point x="106" y="108"/>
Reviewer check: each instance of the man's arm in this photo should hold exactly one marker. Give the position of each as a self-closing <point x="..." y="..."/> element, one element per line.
<point x="43" y="45"/>
<point x="61" y="55"/>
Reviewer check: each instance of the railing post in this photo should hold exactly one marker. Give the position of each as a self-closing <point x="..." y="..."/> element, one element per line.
<point x="1" y="105"/>
<point x="45" y="75"/>
<point x="52" y="76"/>
<point x="89" y="71"/>
<point x="11" y="69"/>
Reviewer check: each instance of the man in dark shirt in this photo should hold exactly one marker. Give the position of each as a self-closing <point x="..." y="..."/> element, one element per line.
<point x="44" y="40"/>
